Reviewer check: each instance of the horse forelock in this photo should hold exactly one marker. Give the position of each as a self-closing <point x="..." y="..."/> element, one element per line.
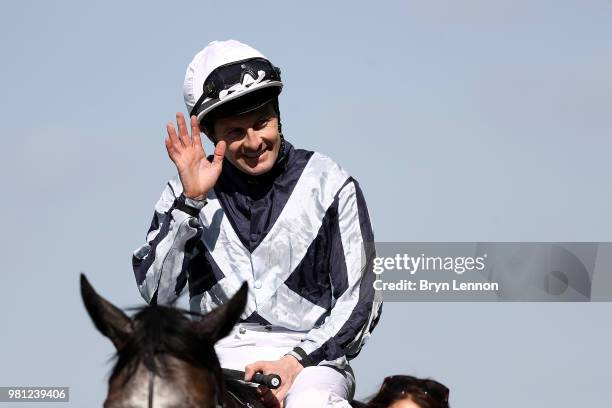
<point x="161" y="331"/>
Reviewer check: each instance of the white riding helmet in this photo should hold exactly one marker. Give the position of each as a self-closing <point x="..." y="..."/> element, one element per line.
<point x="229" y="78"/>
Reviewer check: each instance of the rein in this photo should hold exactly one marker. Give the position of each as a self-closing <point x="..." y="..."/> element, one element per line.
<point x="151" y="384"/>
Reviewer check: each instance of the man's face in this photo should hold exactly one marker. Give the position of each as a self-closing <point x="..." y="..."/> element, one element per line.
<point x="252" y="139"/>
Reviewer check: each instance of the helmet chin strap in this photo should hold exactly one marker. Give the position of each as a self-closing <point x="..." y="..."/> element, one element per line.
<point x="281" y="149"/>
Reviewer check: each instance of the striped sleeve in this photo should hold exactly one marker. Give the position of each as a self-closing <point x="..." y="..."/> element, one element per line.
<point x="160" y="265"/>
<point x="357" y="306"/>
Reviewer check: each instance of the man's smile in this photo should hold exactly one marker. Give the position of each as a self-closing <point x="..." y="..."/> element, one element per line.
<point x="254" y="155"/>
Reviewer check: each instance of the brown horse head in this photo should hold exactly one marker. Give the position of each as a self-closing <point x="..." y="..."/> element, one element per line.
<point x="164" y="359"/>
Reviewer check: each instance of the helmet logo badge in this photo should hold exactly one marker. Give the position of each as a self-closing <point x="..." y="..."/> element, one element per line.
<point x="247" y="81"/>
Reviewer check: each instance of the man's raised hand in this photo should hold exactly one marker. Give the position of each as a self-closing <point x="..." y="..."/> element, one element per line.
<point x="198" y="175"/>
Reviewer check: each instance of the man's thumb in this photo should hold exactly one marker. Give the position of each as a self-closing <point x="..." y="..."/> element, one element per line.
<point x="219" y="153"/>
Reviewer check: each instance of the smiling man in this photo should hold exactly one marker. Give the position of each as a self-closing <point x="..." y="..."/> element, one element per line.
<point x="252" y="139"/>
<point x="290" y="222"/>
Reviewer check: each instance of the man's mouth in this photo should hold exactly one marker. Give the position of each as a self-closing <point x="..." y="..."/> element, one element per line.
<point x="254" y="155"/>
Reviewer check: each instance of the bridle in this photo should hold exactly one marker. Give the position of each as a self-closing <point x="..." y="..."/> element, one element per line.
<point x="218" y="403"/>
<point x="151" y="385"/>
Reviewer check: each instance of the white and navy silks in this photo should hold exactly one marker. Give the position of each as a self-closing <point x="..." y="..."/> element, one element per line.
<point x="300" y="235"/>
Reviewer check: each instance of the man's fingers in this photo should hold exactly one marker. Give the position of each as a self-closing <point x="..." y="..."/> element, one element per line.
<point x="169" y="147"/>
<point x="172" y="135"/>
<point x="251" y="369"/>
<point x="182" y="129"/>
<point x="195" y="133"/>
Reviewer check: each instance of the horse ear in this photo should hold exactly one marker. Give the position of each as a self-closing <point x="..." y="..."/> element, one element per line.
<point x="219" y="323"/>
<point x="107" y="318"/>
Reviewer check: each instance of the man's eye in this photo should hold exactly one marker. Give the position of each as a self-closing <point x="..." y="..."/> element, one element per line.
<point x="233" y="133"/>
<point x="262" y="122"/>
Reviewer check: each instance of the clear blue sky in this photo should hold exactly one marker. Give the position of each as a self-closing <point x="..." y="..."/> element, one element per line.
<point x="466" y="120"/>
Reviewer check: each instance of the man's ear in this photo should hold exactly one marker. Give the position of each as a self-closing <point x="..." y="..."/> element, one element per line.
<point x="107" y="318"/>
<point x="219" y="323"/>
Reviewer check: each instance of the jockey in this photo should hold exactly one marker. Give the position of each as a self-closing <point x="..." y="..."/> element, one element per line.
<point x="290" y="222"/>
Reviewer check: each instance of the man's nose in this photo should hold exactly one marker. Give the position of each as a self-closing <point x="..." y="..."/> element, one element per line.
<point x="252" y="141"/>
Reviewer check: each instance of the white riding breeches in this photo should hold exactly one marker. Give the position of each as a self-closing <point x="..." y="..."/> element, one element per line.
<point x="314" y="387"/>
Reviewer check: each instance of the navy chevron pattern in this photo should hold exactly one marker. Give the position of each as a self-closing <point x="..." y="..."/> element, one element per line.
<point x="294" y="234"/>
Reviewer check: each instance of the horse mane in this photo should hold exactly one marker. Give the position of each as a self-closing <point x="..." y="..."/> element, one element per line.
<point x="168" y="330"/>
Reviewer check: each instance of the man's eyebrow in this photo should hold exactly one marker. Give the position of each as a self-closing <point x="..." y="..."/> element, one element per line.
<point x="224" y="128"/>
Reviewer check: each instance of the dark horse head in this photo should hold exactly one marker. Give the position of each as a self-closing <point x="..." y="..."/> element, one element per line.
<point x="165" y="359"/>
